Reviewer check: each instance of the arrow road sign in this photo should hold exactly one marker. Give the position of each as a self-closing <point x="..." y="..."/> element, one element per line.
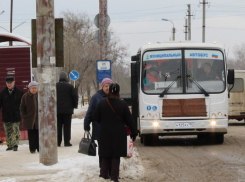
<point x="74" y="75"/>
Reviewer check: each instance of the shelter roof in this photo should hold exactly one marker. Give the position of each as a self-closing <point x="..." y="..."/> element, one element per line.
<point x="5" y="37"/>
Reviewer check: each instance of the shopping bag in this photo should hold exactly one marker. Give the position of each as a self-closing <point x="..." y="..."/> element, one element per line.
<point x="130" y="147"/>
<point x="87" y="145"/>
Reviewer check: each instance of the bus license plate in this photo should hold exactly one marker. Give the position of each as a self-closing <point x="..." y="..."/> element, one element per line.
<point x="184" y="125"/>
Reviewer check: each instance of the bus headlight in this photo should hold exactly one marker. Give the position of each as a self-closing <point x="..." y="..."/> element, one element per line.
<point x="220" y="114"/>
<point x="148" y="115"/>
<point x="155" y="123"/>
<point x="213" y="122"/>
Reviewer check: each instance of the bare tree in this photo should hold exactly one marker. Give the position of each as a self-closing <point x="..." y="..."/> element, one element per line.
<point x="239" y="61"/>
<point x="81" y="53"/>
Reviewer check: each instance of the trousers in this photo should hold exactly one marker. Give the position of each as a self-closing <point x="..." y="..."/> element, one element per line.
<point x="110" y="165"/>
<point x="33" y="139"/>
<point x="12" y="132"/>
<point x="64" y="124"/>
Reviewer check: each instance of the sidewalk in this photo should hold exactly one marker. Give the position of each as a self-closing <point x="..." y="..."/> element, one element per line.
<point x="22" y="166"/>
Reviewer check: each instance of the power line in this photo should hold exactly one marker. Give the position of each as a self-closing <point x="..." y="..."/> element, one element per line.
<point x="145" y="9"/>
<point x="227" y="28"/>
<point x="141" y="32"/>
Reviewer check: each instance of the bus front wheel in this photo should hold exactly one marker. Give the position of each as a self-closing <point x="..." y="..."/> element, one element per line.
<point x="215" y="138"/>
<point x="150" y="140"/>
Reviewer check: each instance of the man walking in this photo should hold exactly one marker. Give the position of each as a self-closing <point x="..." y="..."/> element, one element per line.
<point x="67" y="100"/>
<point x="10" y="98"/>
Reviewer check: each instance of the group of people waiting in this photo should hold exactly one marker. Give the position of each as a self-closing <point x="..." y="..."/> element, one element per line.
<point x="17" y="105"/>
<point x="104" y="113"/>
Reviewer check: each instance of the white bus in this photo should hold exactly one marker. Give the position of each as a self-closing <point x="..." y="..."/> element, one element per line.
<point x="180" y="89"/>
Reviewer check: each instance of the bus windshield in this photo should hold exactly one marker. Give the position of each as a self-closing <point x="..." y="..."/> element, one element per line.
<point x="181" y="71"/>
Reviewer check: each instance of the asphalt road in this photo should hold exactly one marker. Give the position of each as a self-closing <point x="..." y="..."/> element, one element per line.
<point x="186" y="159"/>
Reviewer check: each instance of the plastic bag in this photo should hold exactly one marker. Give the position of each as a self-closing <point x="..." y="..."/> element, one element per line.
<point x="130" y="147"/>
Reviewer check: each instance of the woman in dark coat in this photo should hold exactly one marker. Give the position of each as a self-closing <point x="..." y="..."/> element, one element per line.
<point x="112" y="135"/>
<point x="29" y="113"/>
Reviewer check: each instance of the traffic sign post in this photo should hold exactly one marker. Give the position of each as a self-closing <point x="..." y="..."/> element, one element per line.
<point x="103" y="69"/>
<point x="74" y="75"/>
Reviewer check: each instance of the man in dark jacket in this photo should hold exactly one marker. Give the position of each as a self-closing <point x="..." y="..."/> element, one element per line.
<point x="10" y="98"/>
<point x="67" y="100"/>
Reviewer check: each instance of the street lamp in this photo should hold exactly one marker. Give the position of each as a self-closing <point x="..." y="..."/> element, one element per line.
<point x="173" y="30"/>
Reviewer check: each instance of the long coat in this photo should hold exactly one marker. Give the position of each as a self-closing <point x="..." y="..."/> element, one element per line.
<point x="10" y="104"/>
<point x="67" y="98"/>
<point x="100" y="95"/>
<point x="113" y="136"/>
<point x="29" y="110"/>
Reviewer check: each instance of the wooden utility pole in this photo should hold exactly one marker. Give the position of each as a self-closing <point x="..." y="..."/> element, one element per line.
<point x="46" y="60"/>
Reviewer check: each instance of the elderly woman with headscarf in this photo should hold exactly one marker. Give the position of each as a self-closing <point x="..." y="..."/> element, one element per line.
<point x="113" y="114"/>
<point x="29" y="113"/>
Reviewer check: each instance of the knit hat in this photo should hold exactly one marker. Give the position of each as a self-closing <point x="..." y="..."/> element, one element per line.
<point x="32" y="84"/>
<point x="9" y="79"/>
<point x="106" y="81"/>
<point x="63" y="76"/>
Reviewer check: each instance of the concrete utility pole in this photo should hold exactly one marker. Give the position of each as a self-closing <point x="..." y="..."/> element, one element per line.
<point x="203" y="19"/>
<point x="47" y="82"/>
<point x="173" y="34"/>
<point x="103" y="29"/>
<point x="189" y="21"/>
<point x="186" y="31"/>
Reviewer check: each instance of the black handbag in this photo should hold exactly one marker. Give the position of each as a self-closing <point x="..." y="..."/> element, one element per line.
<point x="87" y="145"/>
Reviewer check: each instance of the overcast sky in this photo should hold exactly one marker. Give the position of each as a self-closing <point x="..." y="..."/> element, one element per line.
<point x="138" y="22"/>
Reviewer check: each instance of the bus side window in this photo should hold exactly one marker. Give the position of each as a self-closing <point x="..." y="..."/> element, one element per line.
<point x="217" y="68"/>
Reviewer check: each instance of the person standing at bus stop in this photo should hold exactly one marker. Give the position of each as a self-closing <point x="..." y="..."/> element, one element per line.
<point x="10" y="98"/>
<point x="67" y="100"/>
<point x="96" y="98"/>
<point x="29" y="113"/>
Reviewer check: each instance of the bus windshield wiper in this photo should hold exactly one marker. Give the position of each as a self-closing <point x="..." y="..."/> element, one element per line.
<point x="197" y="84"/>
<point x="166" y="75"/>
<point x="170" y="85"/>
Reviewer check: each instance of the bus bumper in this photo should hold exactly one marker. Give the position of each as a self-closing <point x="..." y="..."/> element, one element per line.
<point x="183" y="127"/>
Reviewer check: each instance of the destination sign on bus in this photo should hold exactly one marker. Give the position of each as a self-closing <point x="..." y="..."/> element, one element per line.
<point x="204" y="54"/>
<point x="167" y="54"/>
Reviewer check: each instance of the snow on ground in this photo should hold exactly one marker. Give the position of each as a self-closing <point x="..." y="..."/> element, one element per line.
<point x="71" y="167"/>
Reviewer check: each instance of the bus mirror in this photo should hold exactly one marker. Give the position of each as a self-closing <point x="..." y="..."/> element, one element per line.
<point x="135" y="58"/>
<point x="231" y="77"/>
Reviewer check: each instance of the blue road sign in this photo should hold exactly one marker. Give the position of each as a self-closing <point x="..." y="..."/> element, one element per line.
<point x="103" y="69"/>
<point x="74" y="75"/>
